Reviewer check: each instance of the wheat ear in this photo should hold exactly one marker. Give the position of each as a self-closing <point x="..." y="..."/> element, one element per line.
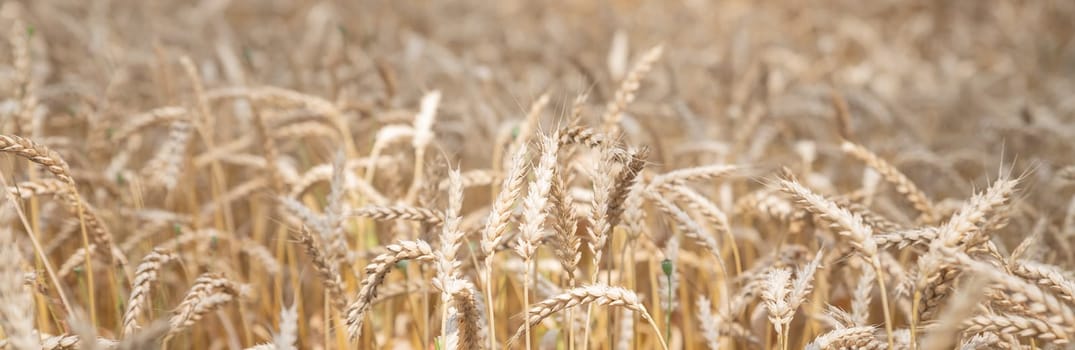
<point x="144" y="276"/>
<point x="52" y="162"/>
<point x="326" y="268"/>
<point x="496" y="224"/>
<point x="1018" y="325"/>
<point x="628" y="87"/>
<point x="423" y="135"/>
<point x="586" y="295"/>
<point x="466" y="309"/>
<point x="848" y="225"/>
<point x="376" y="271"/>
<point x="447" y="262"/>
<point x="682" y="176"/>
<point x="904" y="185"/>
<point x="860" y="338"/>
<point x="708" y="323"/>
<point x="399" y="212"/>
<point x="16" y="302"/>
<point x="535" y="210"/>
<point x="209" y="292"/>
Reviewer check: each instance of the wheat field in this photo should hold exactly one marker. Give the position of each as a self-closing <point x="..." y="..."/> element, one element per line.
<point x="619" y="174"/>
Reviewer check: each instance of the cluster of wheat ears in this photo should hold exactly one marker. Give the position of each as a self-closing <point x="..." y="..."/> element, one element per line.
<point x="323" y="175"/>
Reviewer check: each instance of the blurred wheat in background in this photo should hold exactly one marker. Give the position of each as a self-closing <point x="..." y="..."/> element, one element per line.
<point x="290" y="174"/>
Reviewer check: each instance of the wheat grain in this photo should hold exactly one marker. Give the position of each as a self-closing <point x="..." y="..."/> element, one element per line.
<point x="690" y="228"/>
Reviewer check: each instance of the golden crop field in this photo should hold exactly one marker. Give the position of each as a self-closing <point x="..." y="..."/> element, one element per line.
<point x="606" y="174"/>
